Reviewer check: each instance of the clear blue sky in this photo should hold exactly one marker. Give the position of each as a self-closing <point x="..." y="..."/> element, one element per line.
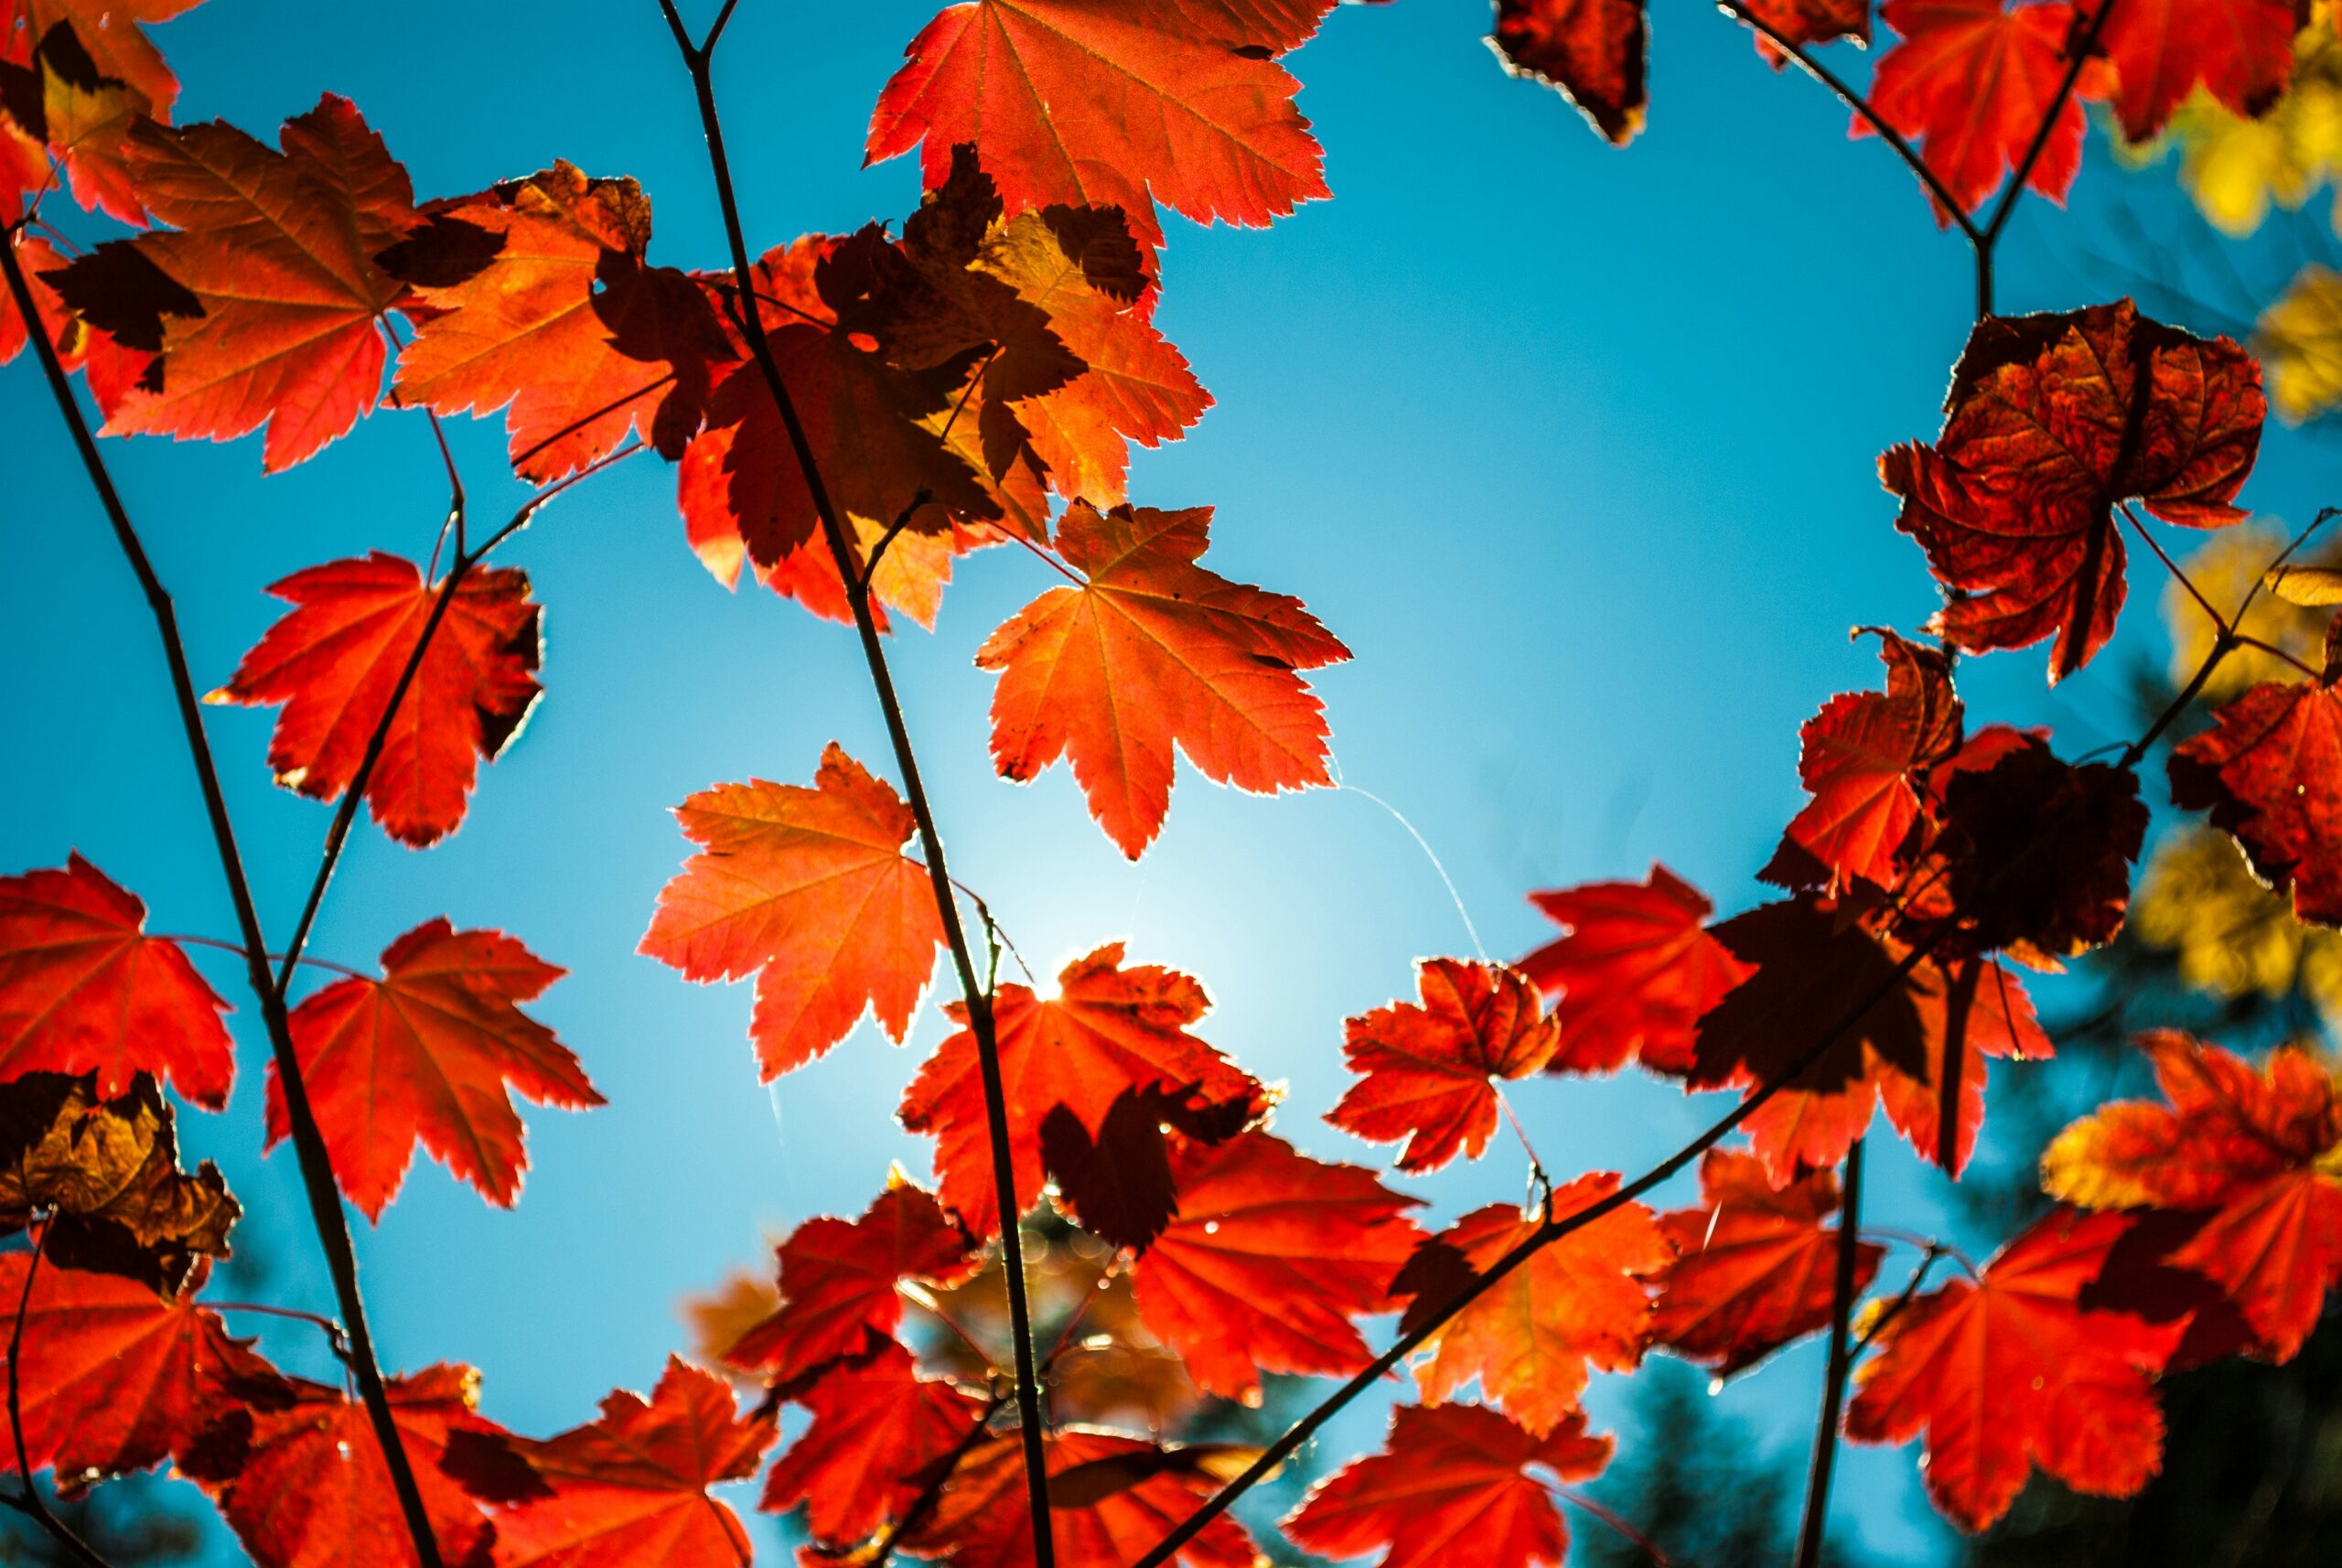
<point x="1573" y="446"/>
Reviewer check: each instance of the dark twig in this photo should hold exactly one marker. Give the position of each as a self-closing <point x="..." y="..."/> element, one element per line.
<point x="1833" y="1390"/>
<point x="1861" y="105"/>
<point x="345" y="814"/>
<point x="1909" y="1294"/>
<point x="2084" y="47"/>
<point x="978" y="1000"/>
<point x="309" y="1143"/>
<point x="31" y="1504"/>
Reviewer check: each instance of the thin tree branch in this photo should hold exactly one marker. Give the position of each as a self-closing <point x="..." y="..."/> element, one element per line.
<point x="309" y="1143"/>
<point x="1833" y="1387"/>
<point x="1861" y="105"/>
<point x="345" y="814"/>
<point x="2085" y="47"/>
<point x="31" y="1504"/>
<point x="978" y="1000"/>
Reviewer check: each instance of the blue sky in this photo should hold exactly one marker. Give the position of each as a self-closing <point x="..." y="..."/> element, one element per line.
<point x="1573" y="446"/>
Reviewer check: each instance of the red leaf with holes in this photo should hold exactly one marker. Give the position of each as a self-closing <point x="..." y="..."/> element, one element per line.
<point x="1971" y="81"/>
<point x="1271" y="1257"/>
<point x="1591" y="51"/>
<point x="84" y="989"/>
<point x="278" y="250"/>
<point x="117" y="1378"/>
<point x="1112" y="1499"/>
<point x="838" y="1279"/>
<point x="1449" y="1474"/>
<point x="876" y="1427"/>
<point x="431" y="1053"/>
<point x="630" y="1489"/>
<point x="1108" y="1032"/>
<point x="2051" y="421"/>
<point x="2260" y="1150"/>
<point x="536" y="294"/>
<point x="1634" y="973"/>
<point x="303" y="1483"/>
<point x="1152" y="649"/>
<point x="1865" y="756"/>
<point x="2270" y="771"/>
<point x="1579" y="1302"/>
<point x="334" y="661"/>
<point x="2239" y="51"/>
<point x="809" y="890"/>
<point x="2010" y="1372"/>
<point x="1755" y="1268"/>
<point x="1107" y="104"/>
<point x="1428" y="1071"/>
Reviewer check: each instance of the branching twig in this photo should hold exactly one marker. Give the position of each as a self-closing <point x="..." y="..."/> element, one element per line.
<point x="1537" y="1241"/>
<point x="697" y="60"/>
<point x="309" y="1143"/>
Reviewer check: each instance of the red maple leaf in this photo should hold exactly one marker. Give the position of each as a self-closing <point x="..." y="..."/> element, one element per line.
<point x="876" y="1428"/>
<point x="1863" y="757"/>
<point x="1450" y="1473"/>
<point x="116" y="1376"/>
<point x="838" y="1279"/>
<point x="2261" y="1152"/>
<point x="1273" y="1254"/>
<point x="432" y="1053"/>
<point x="1755" y="1268"/>
<point x="1110" y="1032"/>
<point x="536" y="294"/>
<point x="2239" y="51"/>
<point x="1112" y="1499"/>
<point x="2010" y="1372"/>
<point x="2270" y="771"/>
<point x="1578" y="1301"/>
<point x="1104" y="103"/>
<point x="333" y="660"/>
<point x="1428" y="1071"/>
<point x="1150" y="650"/>
<point x="278" y="249"/>
<point x="629" y="1490"/>
<point x="84" y="989"/>
<point x="1635" y="971"/>
<point x="809" y="890"/>
<point x="1592" y="51"/>
<point x="2051" y="420"/>
<point x="303" y="1484"/>
<point x="1971" y="82"/>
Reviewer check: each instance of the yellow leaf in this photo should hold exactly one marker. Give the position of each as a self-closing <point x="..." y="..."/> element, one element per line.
<point x="2299" y="340"/>
<point x="2229" y="567"/>
<point x="2232" y="937"/>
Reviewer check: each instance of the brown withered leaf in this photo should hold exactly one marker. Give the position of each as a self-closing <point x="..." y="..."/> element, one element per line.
<point x="108" y="1172"/>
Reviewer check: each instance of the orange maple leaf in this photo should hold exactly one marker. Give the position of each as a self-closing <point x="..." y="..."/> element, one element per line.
<point x="809" y="890"/>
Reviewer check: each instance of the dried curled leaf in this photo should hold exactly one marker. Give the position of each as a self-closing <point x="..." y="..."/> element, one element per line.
<point x="106" y="1174"/>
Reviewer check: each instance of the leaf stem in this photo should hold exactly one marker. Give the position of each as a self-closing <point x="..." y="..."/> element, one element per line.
<point x="1833" y="1387"/>
<point x="697" y="60"/>
<point x="309" y="1143"/>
